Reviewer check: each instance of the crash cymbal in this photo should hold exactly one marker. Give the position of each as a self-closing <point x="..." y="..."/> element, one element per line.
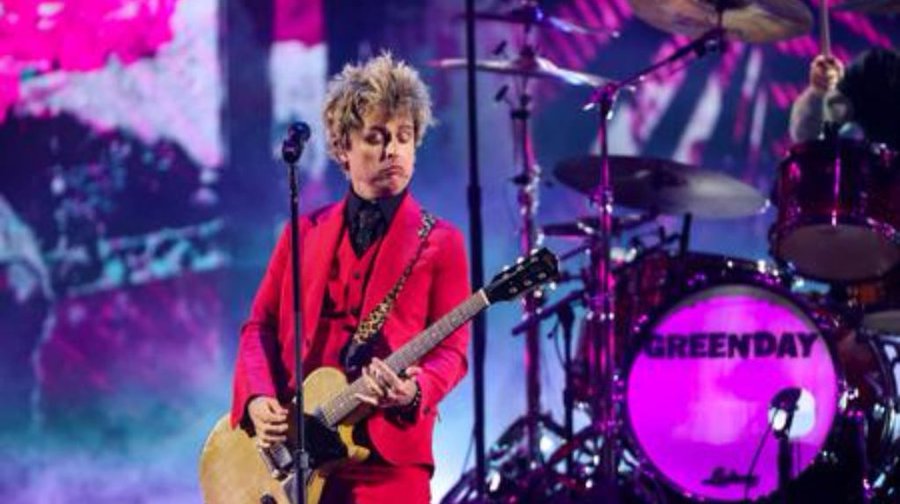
<point x="530" y="14"/>
<point x="748" y="20"/>
<point x="870" y="6"/>
<point x="665" y="186"/>
<point x="526" y="65"/>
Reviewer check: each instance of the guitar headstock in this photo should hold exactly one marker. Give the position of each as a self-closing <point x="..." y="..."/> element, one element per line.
<point x="529" y="273"/>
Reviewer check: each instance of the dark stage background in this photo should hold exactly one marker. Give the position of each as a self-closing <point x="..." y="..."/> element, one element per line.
<point x="140" y="198"/>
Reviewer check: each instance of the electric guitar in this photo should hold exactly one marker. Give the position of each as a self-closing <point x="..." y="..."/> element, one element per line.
<point x="233" y="469"/>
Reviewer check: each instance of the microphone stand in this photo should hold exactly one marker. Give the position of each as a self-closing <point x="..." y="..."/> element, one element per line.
<point x="785" y="403"/>
<point x="784" y="450"/>
<point x="291" y="149"/>
<point x="476" y="241"/>
<point x="601" y="306"/>
<point x="784" y="461"/>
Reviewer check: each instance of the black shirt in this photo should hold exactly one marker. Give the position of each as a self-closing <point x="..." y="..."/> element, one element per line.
<point x="367" y="221"/>
<point x="872" y="84"/>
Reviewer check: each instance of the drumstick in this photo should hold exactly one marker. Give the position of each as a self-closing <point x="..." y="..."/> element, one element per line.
<point x="824" y="31"/>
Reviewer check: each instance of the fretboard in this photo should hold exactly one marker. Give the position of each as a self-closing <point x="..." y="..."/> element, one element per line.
<point x="344" y="403"/>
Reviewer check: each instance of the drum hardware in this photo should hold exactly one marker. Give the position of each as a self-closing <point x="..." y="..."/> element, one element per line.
<point x="527" y="65"/>
<point x="562" y="309"/>
<point x="512" y="475"/>
<point x="856" y="419"/>
<point x="608" y="403"/>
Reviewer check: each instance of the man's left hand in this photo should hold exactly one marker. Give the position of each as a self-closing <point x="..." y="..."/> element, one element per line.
<point x="385" y="389"/>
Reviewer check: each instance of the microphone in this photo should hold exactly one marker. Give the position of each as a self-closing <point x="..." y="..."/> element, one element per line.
<point x="783" y="406"/>
<point x="298" y="134"/>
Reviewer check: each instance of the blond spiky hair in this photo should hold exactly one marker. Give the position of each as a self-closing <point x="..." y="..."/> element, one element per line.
<point x="380" y="82"/>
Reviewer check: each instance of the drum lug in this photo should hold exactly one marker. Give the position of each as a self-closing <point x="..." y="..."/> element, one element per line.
<point x="848" y="395"/>
<point x="828" y="457"/>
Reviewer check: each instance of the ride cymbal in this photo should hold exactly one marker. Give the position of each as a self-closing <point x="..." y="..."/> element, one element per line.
<point x="666" y="187"/>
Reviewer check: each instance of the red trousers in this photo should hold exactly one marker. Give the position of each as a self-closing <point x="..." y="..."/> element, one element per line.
<point x="378" y="483"/>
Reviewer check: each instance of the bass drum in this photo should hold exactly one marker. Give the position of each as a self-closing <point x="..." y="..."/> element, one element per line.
<point x="705" y="371"/>
<point x="642" y="286"/>
<point x="871" y="364"/>
<point x="707" y="365"/>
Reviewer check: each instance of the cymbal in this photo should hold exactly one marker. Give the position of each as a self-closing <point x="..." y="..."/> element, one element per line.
<point x="747" y="20"/>
<point x="870" y="6"/>
<point x="526" y="65"/>
<point x="665" y="186"/>
<point x="530" y="14"/>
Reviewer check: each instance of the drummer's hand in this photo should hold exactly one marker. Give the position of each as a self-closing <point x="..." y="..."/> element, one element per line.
<point x="824" y="73"/>
<point x="385" y="389"/>
<point x="270" y="419"/>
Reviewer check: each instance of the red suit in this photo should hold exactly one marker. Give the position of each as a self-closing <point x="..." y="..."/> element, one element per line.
<point x="438" y="283"/>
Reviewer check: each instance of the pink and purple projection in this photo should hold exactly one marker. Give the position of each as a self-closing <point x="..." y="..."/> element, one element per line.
<point x="40" y="36"/>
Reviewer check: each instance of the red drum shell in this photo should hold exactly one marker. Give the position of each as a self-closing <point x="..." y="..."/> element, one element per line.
<point x="838" y="210"/>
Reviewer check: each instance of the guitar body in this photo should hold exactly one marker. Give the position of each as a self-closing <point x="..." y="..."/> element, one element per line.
<point x="234" y="471"/>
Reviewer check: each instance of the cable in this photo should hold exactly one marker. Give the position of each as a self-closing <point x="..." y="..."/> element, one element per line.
<point x="762" y="442"/>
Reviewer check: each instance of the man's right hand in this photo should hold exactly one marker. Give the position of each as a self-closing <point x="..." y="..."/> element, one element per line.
<point x="824" y="73"/>
<point x="270" y="420"/>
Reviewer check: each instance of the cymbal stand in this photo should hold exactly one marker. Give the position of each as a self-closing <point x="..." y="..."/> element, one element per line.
<point x="528" y="181"/>
<point x="609" y="403"/>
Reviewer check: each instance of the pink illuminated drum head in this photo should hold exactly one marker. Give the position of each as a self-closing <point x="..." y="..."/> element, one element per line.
<point x="699" y="390"/>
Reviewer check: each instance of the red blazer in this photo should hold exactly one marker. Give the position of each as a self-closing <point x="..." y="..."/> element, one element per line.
<point x="438" y="283"/>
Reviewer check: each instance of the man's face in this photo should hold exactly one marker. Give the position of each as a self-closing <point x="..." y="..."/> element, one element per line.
<point x="380" y="158"/>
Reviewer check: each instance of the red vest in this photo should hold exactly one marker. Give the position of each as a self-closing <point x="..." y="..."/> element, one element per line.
<point x="342" y="306"/>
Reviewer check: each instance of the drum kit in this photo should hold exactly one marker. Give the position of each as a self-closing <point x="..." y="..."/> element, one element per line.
<point x="705" y="377"/>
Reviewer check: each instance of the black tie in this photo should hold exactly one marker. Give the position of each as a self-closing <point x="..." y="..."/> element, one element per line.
<point x="366" y="228"/>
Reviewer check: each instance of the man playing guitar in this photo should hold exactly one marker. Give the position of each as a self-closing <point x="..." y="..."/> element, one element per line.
<point x="353" y="253"/>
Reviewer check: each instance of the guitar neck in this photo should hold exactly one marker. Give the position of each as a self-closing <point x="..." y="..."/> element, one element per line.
<point x="338" y="408"/>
